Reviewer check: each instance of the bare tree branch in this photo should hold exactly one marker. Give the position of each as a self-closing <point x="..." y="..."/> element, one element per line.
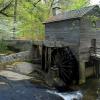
<point x="15" y="17"/>
<point x="51" y="6"/>
<point x="7" y="5"/>
<point x="5" y="14"/>
<point x="34" y="4"/>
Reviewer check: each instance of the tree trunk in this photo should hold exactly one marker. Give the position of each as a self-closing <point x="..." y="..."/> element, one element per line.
<point x="15" y="16"/>
<point x="56" y="9"/>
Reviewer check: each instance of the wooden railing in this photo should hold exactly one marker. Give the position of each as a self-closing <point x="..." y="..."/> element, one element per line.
<point x="97" y="50"/>
<point x="94" y="50"/>
<point x="95" y="59"/>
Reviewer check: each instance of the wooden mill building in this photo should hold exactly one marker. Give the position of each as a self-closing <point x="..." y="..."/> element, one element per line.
<point x="79" y="30"/>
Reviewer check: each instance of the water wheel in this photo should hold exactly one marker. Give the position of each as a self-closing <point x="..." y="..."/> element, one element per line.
<point x="64" y="61"/>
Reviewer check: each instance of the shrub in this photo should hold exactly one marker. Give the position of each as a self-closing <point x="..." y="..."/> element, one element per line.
<point x="3" y="46"/>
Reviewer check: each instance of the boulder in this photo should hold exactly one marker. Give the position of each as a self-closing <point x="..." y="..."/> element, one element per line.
<point x="24" y="67"/>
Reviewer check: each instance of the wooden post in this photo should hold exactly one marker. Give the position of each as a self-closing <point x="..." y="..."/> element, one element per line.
<point x="97" y="65"/>
<point x="49" y="58"/>
<point x="43" y="58"/>
<point x="15" y="18"/>
<point x="46" y="59"/>
<point x="82" y="77"/>
<point x="38" y="52"/>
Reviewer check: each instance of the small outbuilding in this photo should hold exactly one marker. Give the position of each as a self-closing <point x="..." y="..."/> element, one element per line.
<point x="80" y="31"/>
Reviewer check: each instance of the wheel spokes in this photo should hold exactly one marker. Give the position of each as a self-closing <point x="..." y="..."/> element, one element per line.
<point x="62" y="59"/>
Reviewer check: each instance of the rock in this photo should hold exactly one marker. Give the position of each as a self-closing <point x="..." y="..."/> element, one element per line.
<point x="24" y="67"/>
<point x="52" y="79"/>
<point x="10" y="75"/>
<point x="2" y="55"/>
<point x="21" y="56"/>
<point x="14" y="86"/>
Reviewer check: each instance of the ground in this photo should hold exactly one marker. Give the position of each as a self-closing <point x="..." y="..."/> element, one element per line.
<point x="18" y="86"/>
<point x="14" y="86"/>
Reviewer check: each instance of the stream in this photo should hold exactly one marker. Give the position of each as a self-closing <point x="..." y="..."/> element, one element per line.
<point x="15" y="86"/>
<point x="76" y="95"/>
<point x="18" y="86"/>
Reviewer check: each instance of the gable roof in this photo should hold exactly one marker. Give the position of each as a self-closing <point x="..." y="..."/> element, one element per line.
<point x="71" y="14"/>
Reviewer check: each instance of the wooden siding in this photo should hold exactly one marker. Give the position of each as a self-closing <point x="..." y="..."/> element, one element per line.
<point x="87" y="33"/>
<point x="78" y="32"/>
<point x="65" y="31"/>
<point x="98" y="34"/>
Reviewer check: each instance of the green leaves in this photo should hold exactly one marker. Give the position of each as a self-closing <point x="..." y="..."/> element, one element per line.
<point x="31" y="14"/>
<point x="74" y="4"/>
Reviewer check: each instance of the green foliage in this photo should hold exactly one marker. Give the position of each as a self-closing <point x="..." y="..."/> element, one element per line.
<point x="3" y="46"/>
<point x="93" y="18"/>
<point x="31" y="19"/>
<point x="31" y="14"/>
<point x="74" y="4"/>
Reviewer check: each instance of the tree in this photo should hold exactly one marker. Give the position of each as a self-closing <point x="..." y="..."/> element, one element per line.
<point x="5" y="18"/>
<point x="24" y="18"/>
<point x="4" y="7"/>
<point x="15" y="15"/>
<point x="74" y="4"/>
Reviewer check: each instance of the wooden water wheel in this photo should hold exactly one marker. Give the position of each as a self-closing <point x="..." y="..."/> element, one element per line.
<point x="64" y="61"/>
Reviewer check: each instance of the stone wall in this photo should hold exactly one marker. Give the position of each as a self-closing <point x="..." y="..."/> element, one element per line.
<point x="21" y="56"/>
<point x="22" y="45"/>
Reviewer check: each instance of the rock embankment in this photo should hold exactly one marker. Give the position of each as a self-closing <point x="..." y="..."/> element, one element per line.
<point x="21" y="56"/>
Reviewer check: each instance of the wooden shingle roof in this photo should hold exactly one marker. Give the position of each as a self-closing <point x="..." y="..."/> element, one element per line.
<point x="71" y="14"/>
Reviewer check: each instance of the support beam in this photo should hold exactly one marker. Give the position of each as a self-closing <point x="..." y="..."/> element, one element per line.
<point x="43" y="58"/>
<point x="82" y="76"/>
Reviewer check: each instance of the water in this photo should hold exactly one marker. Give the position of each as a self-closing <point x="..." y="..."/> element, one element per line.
<point x="76" y="95"/>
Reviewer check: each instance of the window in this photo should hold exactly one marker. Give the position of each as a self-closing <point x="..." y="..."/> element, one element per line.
<point x="94" y="24"/>
<point x="93" y="43"/>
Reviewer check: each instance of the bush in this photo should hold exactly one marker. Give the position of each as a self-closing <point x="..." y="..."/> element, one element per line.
<point x="3" y="46"/>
